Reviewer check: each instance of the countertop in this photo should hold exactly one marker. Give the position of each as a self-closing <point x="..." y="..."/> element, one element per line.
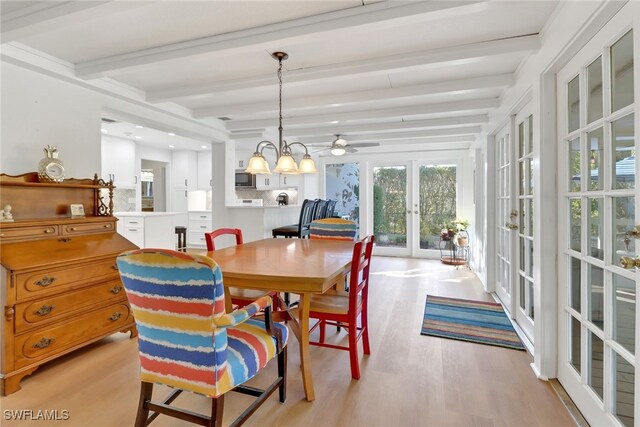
<point x="263" y="207"/>
<point x="124" y="214"/>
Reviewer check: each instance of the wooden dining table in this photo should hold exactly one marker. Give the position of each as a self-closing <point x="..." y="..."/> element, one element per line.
<point x="298" y="266"/>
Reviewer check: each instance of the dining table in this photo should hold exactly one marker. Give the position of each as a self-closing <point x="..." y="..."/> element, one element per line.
<point x="297" y="266"/>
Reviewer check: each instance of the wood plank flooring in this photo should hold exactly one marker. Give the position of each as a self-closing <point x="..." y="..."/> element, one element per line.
<point x="408" y="380"/>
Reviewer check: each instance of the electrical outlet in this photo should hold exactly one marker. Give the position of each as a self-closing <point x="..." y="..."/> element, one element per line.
<point x="132" y="200"/>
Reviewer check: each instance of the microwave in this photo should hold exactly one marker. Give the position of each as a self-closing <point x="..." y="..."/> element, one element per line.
<point x="245" y="179"/>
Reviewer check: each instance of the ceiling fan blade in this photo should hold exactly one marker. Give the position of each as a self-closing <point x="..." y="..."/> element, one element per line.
<point x="322" y="149"/>
<point x="365" y="144"/>
<point x="349" y="149"/>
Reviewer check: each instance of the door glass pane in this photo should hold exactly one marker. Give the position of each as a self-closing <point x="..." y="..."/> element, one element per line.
<point x="624" y="382"/>
<point x="521" y="152"/>
<point x="622" y="72"/>
<point x="594" y="221"/>
<point x="594" y="88"/>
<point x="595" y="287"/>
<point x="624" y="309"/>
<point x="529" y="214"/>
<point x="531" y="304"/>
<point x="575" y="275"/>
<point x="624" y="220"/>
<point x="522" y="214"/>
<point x="574" y="104"/>
<point x="528" y="176"/>
<point x="574" y="165"/>
<point x="596" y="380"/>
<point x="624" y="157"/>
<point x="437" y="187"/>
<point x="521" y="177"/>
<point x="574" y="333"/>
<point x="530" y="167"/>
<point x="530" y="138"/>
<point x="522" y="292"/>
<point x="389" y="206"/>
<point x="575" y="232"/>
<point x="342" y="183"/>
<point x="595" y="142"/>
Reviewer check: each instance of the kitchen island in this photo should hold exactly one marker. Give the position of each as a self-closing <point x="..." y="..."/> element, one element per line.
<point x="148" y="229"/>
<point x="257" y="222"/>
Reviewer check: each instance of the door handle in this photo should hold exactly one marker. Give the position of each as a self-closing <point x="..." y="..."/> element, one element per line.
<point x="511" y="225"/>
<point x="408" y="211"/>
<point x="415" y="212"/>
<point x="628" y="263"/>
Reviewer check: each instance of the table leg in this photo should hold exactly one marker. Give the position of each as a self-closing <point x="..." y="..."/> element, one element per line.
<point x="303" y="339"/>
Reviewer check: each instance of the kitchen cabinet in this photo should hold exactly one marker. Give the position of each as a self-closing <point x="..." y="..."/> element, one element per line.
<point x="119" y="162"/>
<point x="276" y="181"/>
<point x="179" y="201"/>
<point x="200" y="222"/>
<point x="289" y="181"/>
<point x="148" y="229"/>
<point x="184" y="170"/>
<point x="204" y="170"/>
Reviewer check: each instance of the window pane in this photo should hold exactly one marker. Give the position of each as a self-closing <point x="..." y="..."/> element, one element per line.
<point x="530" y="138"/>
<point x="594" y="87"/>
<point x="342" y="183"/>
<point x="622" y="72"/>
<point x="575" y="233"/>
<point x="623" y="221"/>
<point x="574" y="165"/>
<point x="624" y="309"/>
<point x="437" y="202"/>
<point x="624" y="154"/>
<point x="595" y="142"/>
<point x="595" y="287"/>
<point x="529" y="230"/>
<point x="390" y="204"/>
<point x="575" y="275"/>
<point x="521" y="152"/>
<point x="574" y="357"/>
<point x="574" y="104"/>
<point x="596" y="380"/>
<point x="624" y="382"/>
<point x="594" y="221"/>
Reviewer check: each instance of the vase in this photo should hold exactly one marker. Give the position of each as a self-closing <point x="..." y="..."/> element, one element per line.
<point x="463" y="241"/>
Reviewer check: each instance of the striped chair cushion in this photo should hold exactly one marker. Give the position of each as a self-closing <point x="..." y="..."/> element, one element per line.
<point x="333" y="229"/>
<point x="177" y="301"/>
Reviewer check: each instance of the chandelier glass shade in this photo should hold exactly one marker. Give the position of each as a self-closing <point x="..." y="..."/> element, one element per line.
<point x="285" y="164"/>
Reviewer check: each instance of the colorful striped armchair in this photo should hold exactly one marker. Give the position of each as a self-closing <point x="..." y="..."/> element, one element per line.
<point x="188" y="342"/>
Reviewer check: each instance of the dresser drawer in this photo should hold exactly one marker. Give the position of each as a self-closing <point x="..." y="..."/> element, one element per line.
<point x="200" y="216"/>
<point x="46" y="342"/>
<point x="88" y="228"/>
<point x="36" y="313"/>
<point x="134" y="221"/>
<point x="196" y="239"/>
<point x="200" y="226"/>
<point x="25" y="233"/>
<point x="33" y="284"/>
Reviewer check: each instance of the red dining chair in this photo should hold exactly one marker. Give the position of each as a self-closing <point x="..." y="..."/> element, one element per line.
<point x="340" y="308"/>
<point x="239" y="297"/>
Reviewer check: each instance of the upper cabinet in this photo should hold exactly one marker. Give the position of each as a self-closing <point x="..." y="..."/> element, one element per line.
<point x="119" y="162"/>
<point x="204" y="170"/>
<point x="184" y="170"/>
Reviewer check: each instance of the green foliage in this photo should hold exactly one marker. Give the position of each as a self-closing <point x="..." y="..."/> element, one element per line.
<point x="378" y="209"/>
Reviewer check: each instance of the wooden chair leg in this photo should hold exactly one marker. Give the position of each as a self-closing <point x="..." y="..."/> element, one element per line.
<point x="217" y="407"/>
<point x="146" y="390"/>
<point x="282" y="373"/>
<point x="353" y="349"/>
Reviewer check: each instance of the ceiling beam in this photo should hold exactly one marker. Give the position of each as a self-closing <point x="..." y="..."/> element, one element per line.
<point x="389" y="126"/>
<point x="470" y="130"/>
<point x="44" y="16"/>
<point x="372" y="66"/>
<point x="321" y="23"/>
<point x="341" y="99"/>
<point x="413" y="110"/>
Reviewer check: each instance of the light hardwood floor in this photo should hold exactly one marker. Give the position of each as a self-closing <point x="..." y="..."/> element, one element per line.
<point x="408" y="380"/>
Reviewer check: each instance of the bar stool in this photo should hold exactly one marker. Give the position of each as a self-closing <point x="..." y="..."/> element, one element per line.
<point x="181" y="231"/>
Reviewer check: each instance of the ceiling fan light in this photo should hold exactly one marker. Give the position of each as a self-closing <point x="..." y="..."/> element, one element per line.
<point x="286" y="165"/>
<point x="258" y="165"/>
<point x="340" y="141"/>
<point x="338" y="151"/>
<point x="307" y="165"/>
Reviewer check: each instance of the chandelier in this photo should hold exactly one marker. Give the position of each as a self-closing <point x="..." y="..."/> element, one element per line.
<point x="285" y="164"/>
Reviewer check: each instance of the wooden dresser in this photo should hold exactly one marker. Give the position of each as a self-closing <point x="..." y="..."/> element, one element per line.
<point x="60" y="288"/>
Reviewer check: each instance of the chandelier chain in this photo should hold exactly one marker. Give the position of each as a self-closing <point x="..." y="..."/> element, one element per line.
<point x="281" y="143"/>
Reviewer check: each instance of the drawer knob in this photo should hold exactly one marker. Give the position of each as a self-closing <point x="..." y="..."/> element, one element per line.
<point x="107" y="226"/>
<point x="116" y="290"/>
<point x="44" y="343"/>
<point x="44" y="310"/>
<point x="73" y="228"/>
<point x="115" y="316"/>
<point x="45" y="281"/>
<point x="114" y="267"/>
<point x="48" y="231"/>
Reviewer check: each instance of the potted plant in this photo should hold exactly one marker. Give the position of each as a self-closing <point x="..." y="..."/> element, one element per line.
<point x="452" y="231"/>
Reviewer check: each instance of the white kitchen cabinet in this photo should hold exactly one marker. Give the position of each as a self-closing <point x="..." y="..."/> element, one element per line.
<point x="268" y="182"/>
<point x="119" y="162"/>
<point x="179" y="200"/>
<point x="148" y="230"/>
<point x="200" y="222"/>
<point x="184" y="170"/>
<point x="204" y="170"/>
<point x="289" y="181"/>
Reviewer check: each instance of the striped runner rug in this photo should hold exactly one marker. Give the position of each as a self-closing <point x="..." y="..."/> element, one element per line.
<point x="475" y="321"/>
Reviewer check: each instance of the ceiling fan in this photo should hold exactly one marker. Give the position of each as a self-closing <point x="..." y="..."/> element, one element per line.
<point x="339" y="146"/>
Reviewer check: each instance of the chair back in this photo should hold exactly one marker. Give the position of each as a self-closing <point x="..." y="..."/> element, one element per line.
<point x="333" y="229"/>
<point x="209" y="237"/>
<point x="174" y="298"/>
<point x="321" y="210"/>
<point x="359" y="276"/>
<point x="331" y="208"/>
<point x="306" y="216"/>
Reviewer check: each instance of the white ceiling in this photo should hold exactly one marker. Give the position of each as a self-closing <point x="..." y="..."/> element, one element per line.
<point x="385" y="71"/>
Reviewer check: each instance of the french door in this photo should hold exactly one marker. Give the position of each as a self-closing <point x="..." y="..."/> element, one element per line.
<point x="598" y="189"/>
<point x="412" y="202"/>
<point x="514" y="224"/>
